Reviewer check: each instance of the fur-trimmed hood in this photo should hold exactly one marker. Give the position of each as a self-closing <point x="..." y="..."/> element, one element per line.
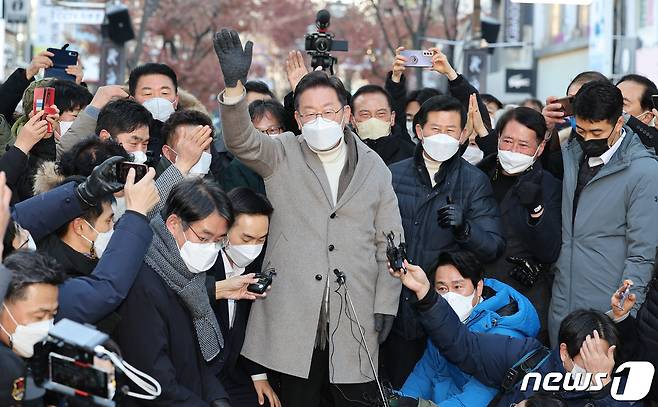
<point x="46" y="178"/>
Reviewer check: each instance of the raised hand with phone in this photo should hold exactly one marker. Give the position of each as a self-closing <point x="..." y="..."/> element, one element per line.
<point x="141" y="196"/>
<point x="32" y="132"/>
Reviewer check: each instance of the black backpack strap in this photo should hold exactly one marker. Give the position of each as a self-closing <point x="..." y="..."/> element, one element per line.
<point x="527" y="364"/>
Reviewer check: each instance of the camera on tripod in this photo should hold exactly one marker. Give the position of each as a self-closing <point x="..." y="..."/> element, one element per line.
<point x="320" y="44"/>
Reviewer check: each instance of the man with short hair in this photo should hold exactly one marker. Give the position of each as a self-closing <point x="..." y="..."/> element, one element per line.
<point x="374" y="120"/>
<point x="183" y="125"/>
<point x="268" y="116"/>
<point x="459" y="278"/>
<point x="609" y="197"/>
<point x="588" y="342"/>
<point x="126" y="122"/>
<point x="334" y="202"/>
<point x="445" y="204"/>
<point x="639" y="109"/>
<point x="241" y="256"/>
<point x="258" y="90"/>
<point x="167" y="327"/>
<point x="26" y="315"/>
<point x="153" y="85"/>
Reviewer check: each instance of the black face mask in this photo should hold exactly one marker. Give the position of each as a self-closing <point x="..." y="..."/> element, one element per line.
<point x="594" y="148"/>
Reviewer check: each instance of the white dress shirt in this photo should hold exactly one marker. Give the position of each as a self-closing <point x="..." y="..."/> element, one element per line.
<point x="605" y="157"/>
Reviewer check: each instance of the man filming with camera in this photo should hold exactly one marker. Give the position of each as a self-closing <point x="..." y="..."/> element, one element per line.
<point x="333" y="202"/>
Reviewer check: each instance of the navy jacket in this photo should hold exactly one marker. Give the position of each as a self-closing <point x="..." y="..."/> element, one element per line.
<point x="419" y="203"/>
<point x="488" y="357"/>
<point x="88" y="299"/>
<point x="157" y="335"/>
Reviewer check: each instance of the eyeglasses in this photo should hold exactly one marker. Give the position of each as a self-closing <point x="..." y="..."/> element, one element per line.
<point x="327" y="115"/>
<point x="202" y="239"/>
<point x="272" y="131"/>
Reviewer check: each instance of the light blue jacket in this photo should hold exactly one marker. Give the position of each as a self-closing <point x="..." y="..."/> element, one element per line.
<point x="436" y="379"/>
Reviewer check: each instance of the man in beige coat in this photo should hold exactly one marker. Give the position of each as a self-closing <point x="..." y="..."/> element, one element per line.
<point x="333" y="202"/>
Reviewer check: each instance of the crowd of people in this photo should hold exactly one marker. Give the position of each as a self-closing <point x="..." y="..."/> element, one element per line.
<point x="529" y="238"/>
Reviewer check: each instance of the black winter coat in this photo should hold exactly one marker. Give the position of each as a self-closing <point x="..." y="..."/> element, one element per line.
<point x="393" y="148"/>
<point x="419" y="203"/>
<point x="157" y="336"/>
<point x="538" y="242"/>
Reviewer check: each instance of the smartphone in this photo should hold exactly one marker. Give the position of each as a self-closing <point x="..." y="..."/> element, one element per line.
<point x="567" y="105"/>
<point x="44" y="98"/>
<point x="125" y="166"/>
<point x="654" y="98"/>
<point x="418" y="58"/>
<point x="62" y="59"/>
<point x="623" y="296"/>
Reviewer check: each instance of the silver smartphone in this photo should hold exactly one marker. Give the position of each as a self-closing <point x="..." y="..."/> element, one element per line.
<point x="418" y="58"/>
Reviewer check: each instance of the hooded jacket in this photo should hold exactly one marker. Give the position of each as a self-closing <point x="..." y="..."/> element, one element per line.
<point x="613" y="234"/>
<point x="504" y="311"/>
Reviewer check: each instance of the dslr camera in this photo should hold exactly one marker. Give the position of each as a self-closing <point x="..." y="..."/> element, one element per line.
<point x="320" y="44"/>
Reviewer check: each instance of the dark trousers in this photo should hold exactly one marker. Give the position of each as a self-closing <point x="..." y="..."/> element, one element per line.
<point x="398" y="357"/>
<point x="316" y="391"/>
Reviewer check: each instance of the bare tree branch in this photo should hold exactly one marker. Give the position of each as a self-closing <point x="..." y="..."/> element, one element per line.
<point x="383" y="26"/>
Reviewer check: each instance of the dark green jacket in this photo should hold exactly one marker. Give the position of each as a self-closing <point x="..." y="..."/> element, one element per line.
<point x="239" y="175"/>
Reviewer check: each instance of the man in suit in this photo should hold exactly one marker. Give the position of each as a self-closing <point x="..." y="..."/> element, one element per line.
<point x="334" y="203"/>
<point x="241" y="258"/>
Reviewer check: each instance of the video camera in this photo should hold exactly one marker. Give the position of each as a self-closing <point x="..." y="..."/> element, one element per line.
<point x="320" y="44"/>
<point x="72" y="361"/>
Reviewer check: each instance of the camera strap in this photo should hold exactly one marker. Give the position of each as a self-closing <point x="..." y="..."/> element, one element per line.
<point x="527" y="364"/>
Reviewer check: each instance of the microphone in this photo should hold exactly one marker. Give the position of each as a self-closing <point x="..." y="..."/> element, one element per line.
<point x="322" y="19"/>
<point x="340" y="276"/>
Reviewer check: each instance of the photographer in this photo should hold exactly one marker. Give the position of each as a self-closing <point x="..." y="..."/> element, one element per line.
<point x="73" y="223"/>
<point x="530" y="200"/>
<point x="27" y="313"/>
<point x="587" y="343"/>
<point x="483" y="305"/>
<point x="334" y="202"/>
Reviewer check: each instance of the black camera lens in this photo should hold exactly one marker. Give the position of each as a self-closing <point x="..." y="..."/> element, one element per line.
<point x="323" y="44"/>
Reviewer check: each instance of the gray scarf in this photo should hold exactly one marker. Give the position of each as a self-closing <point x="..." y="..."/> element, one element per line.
<point x="164" y="257"/>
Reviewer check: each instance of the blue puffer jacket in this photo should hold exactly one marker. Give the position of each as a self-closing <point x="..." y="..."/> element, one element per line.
<point x="419" y="203"/>
<point x="489" y="357"/>
<point x="504" y="311"/>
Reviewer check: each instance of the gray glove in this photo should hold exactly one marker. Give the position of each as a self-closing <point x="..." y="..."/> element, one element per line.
<point x="383" y="325"/>
<point x="235" y="61"/>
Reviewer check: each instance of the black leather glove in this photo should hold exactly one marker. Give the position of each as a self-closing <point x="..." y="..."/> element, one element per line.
<point x="452" y="216"/>
<point x="235" y="61"/>
<point x="383" y="325"/>
<point x="529" y="190"/>
<point x="102" y="181"/>
<point x="524" y="271"/>
<point x="220" y="403"/>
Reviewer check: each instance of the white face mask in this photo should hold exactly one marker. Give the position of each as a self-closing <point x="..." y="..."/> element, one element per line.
<point x="578" y="370"/>
<point x="473" y="154"/>
<point x="202" y="167"/>
<point x="160" y="108"/>
<point x="199" y="257"/>
<point x="440" y="147"/>
<point x="373" y="129"/>
<point x="463" y="306"/>
<point x="139" y="157"/>
<point x="243" y="255"/>
<point x="24" y="338"/>
<point x="64" y="126"/>
<point x="410" y="130"/>
<point x="119" y="208"/>
<point x="102" y="240"/>
<point x="515" y="163"/>
<point x="31" y="244"/>
<point x="322" y="134"/>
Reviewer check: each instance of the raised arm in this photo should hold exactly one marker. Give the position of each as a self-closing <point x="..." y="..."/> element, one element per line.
<point x="257" y="150"/>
